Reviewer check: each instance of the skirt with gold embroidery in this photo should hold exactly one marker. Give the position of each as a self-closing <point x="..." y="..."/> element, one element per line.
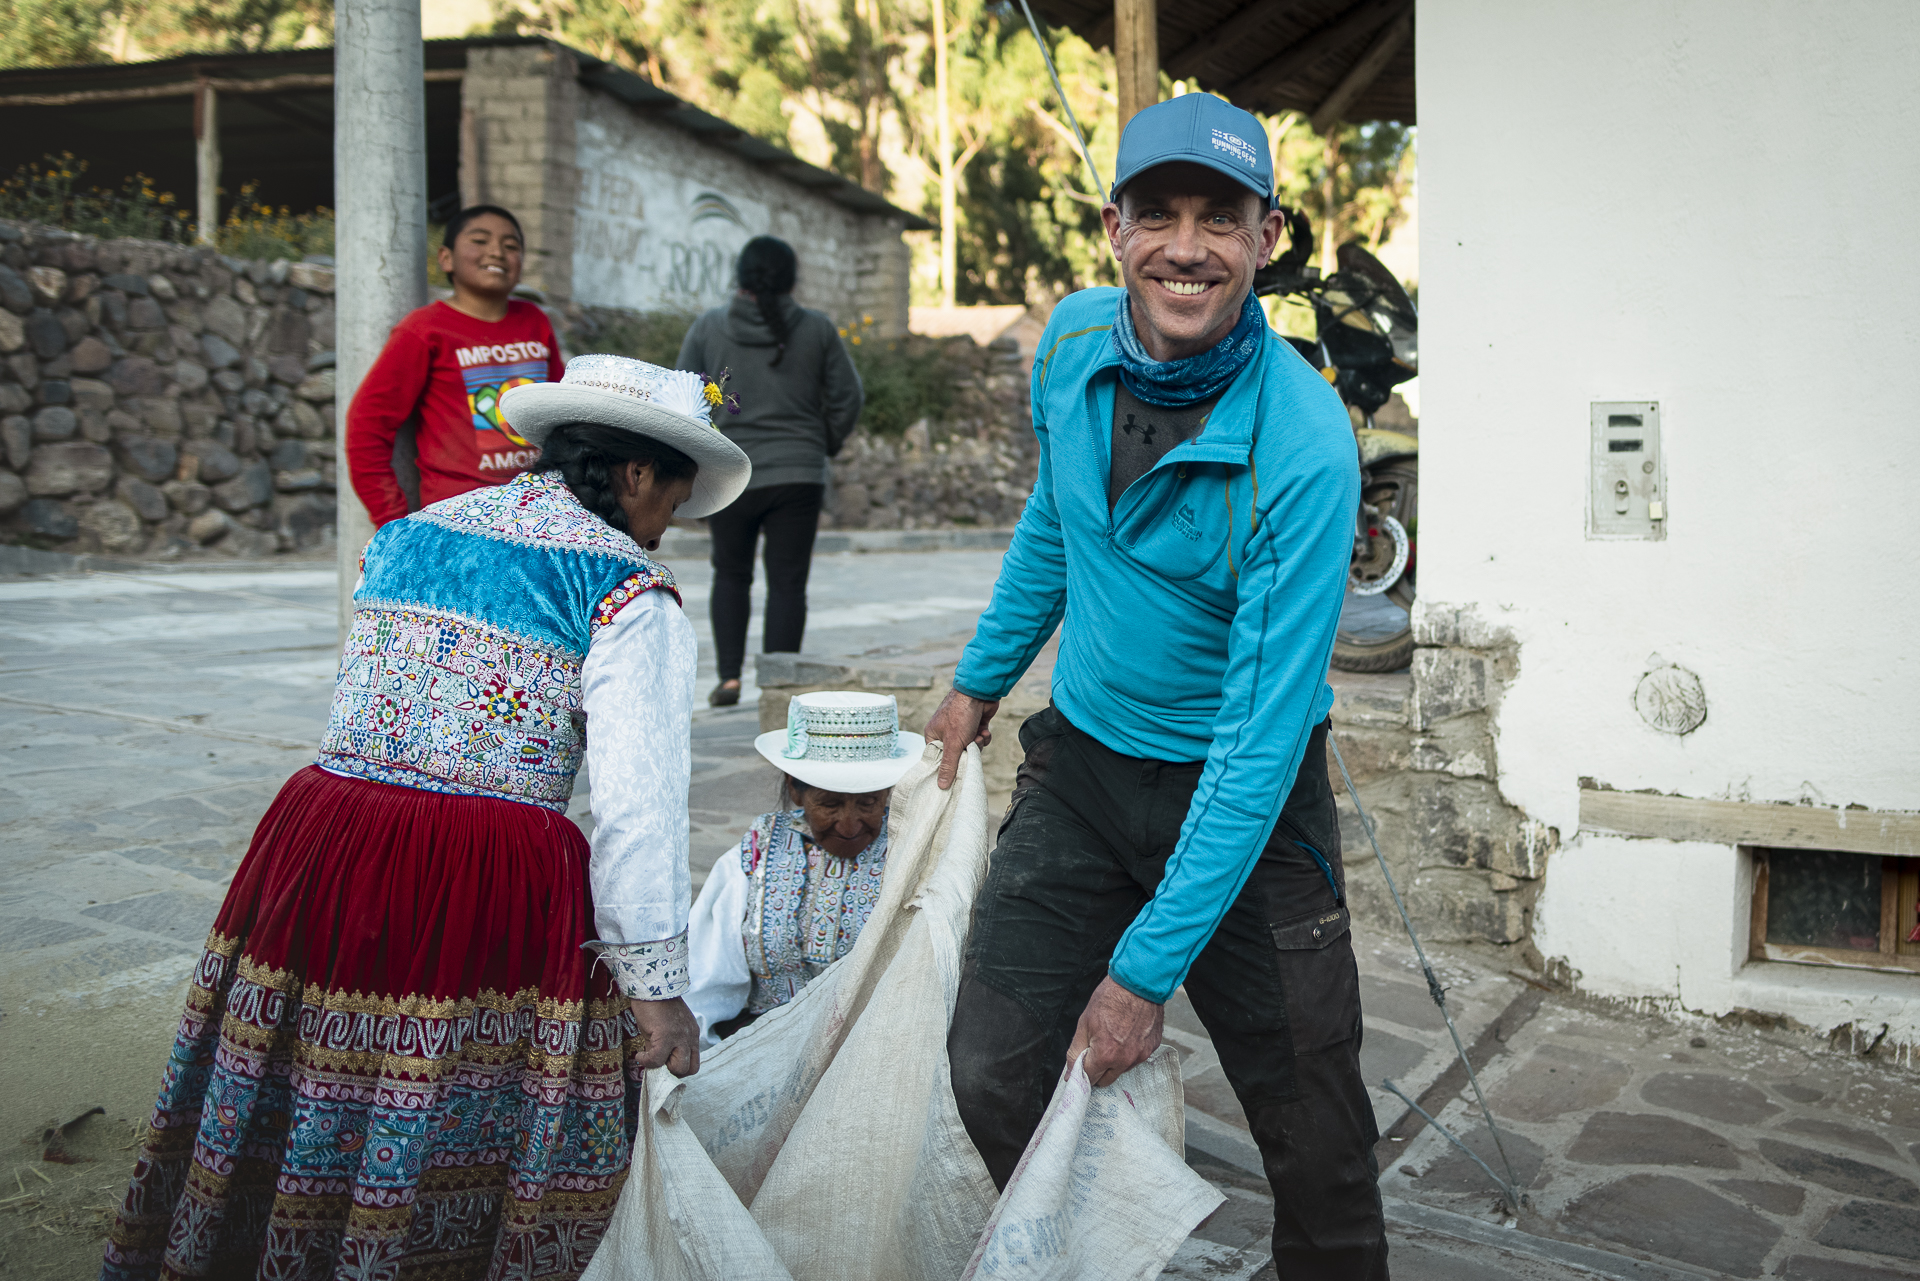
<point x="395" y="1060"/>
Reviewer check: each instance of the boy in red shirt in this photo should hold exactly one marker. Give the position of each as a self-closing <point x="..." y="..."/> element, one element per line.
<point x="448" y="363"/>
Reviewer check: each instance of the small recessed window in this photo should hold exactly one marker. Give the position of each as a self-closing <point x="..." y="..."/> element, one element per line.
<point x="1835" y="907"/>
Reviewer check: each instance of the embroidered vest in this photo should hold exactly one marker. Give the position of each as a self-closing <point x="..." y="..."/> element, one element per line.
<point x="805" y="908"/>
<point x="461" y="672"/>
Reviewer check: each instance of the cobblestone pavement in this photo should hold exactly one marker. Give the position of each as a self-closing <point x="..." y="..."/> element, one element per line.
<point x="153" y="715"/>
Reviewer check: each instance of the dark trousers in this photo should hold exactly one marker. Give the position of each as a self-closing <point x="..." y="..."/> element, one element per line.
<point x="790" y="515"/>
<point x="1081" y="850"/>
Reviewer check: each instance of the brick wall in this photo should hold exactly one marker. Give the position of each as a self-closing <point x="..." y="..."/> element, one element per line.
<point x="520" y="104"/>
<point x="623" y="209"/>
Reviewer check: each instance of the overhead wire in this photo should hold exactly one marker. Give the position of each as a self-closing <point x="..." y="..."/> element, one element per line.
<point x="1100" y="188"/>
<point x="1509" y="1186"/>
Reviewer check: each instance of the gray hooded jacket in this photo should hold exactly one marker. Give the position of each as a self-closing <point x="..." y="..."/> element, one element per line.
<point x="794" y="415"/>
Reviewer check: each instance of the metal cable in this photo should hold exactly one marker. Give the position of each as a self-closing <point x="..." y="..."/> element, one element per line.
<point x="1510" y="1186"/>
<point x="1099" y="188"/>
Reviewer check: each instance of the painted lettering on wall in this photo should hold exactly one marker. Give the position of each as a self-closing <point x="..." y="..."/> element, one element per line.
<point x="650" y="235"/>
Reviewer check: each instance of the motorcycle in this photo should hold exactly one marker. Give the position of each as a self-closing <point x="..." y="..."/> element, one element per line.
<point x="1365" y="344"/>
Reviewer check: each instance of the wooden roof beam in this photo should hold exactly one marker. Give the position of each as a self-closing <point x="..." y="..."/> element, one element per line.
<point x="1195" y="56"/>
<point x="1362" y="74"/>
<point x="187" y="88"/>
<point x="1257" y="87"/>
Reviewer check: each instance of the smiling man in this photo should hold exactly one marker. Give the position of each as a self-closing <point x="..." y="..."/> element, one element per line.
<point x="1172" y="826"/>
<point x="445" y="367"/>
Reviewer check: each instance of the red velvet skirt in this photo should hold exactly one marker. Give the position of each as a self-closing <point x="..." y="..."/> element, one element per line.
<point x="395" y="1061"/>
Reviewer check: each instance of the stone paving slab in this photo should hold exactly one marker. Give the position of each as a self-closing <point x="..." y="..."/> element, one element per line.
<point x="154" y="714"/>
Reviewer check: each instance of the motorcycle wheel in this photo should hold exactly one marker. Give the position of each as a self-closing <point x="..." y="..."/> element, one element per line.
<point x="1369" y="640"/>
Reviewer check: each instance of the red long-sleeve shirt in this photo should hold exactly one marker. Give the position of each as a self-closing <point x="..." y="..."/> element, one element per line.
<point x="450" y="369"/>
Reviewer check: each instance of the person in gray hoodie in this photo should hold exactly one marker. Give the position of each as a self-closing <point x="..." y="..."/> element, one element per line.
<point x="800" y="397"/>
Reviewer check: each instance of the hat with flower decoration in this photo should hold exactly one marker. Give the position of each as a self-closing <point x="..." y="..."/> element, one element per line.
<point x="671" y="406"/>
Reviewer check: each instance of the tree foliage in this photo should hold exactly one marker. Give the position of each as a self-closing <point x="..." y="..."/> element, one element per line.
<point x="50" y="33"/>
<point x="848" y="84"/>
<point x="55" y="33"/>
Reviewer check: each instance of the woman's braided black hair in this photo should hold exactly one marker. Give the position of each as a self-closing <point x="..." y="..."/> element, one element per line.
<point x="587" y="455"/>
<point x="766" y="270"/>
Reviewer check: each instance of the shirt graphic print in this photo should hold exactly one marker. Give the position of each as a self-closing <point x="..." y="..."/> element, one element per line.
<point x="486" y="381"/>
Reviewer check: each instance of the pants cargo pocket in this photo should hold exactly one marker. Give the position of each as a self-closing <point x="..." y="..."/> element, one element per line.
<point x="1040" y="736"/>
<point x="1318" y="978"/>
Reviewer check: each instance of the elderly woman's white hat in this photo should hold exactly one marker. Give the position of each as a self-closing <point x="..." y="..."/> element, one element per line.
<point x="667" y="405"/>
<point x="842" y="741"/>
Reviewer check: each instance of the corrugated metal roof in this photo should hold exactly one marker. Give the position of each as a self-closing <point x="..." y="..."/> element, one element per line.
<point x="1268" y="55"/>
<point x="439" y="55"/>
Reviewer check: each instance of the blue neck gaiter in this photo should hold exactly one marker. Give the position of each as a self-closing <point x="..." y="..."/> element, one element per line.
<point x="1191" y="379"/>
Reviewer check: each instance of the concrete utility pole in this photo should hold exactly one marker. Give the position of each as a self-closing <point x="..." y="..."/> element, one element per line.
<point x="1136" y="55"/>
<point x="206" y="159"/>
<point x="380" y="206"/>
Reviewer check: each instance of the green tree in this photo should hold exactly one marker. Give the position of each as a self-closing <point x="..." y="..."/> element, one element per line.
<point x="51" y="33"/>
<point x="1028" y="213"/>
<point x="166" y="28"/>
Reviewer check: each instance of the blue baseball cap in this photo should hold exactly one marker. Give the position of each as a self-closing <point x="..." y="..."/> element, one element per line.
<point x="1200" y="129"/>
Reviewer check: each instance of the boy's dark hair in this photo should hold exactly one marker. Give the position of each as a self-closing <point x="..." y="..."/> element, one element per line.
<point x="588" y="454"/>
<point x="766" y="270"/>
<point x="458" y="223"/>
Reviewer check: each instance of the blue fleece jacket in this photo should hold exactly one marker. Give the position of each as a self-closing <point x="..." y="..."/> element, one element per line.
<point x="1199" y="614"/>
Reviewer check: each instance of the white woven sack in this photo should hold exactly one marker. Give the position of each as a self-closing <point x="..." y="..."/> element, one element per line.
<point x="823" y="1143"/>
<point x="1101" y="1190"/>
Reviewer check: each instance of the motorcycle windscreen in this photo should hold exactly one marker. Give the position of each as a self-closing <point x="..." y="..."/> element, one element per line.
<point x="1390" y="309"/>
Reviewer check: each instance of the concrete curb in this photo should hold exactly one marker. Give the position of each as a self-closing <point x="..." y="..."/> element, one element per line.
<point x="692" y="542"/>
<point x="1232" y="1145"/>
<point x="26" y="562"/>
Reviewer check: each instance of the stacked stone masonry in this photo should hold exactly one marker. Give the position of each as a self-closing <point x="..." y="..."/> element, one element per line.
<point x="162" y="400"/>
<point x="973" y="467"/>
<point x="1421" y="748"/>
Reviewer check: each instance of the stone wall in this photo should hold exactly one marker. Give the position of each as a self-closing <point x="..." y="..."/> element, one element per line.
<point x="1421" y="749"/>
<point x="159" y="399"/>
<point x="974" y="466"/>
<point x="162" y="400"/>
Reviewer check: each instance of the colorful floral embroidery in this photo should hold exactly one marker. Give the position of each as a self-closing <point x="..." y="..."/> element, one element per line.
<point x="432" y="698"/>
<point x="535" y="510"/>
<point x="493" y="1128"/>
<point x="631" y="588"/>
<point x="806" y="908"/>
<point x="443" y="702"/>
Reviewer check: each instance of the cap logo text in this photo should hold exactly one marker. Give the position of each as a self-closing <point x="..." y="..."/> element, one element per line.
<point x="1234" y="146"/>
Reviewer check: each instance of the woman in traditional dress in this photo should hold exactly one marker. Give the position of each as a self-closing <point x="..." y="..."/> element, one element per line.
<point x="793" y="898"/>
<point x="399" y="1057"/>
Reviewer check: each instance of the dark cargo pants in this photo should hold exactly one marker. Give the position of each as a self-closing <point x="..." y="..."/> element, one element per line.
<point x="1081" y="850"/>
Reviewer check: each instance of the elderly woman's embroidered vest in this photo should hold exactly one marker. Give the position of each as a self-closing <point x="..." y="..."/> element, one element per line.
<point x="805" y="908"/>
<point x="471" y="622"/>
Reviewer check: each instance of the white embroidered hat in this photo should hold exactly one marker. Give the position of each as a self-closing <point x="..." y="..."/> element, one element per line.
<point x="667" y="405"/>
<point x="843" y="741"/>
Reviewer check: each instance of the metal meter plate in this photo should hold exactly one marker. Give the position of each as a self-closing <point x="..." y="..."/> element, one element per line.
<point x="1627" y="492"/>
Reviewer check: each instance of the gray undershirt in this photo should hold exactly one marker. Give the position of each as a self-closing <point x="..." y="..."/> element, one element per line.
<point x="1143" y="433"/>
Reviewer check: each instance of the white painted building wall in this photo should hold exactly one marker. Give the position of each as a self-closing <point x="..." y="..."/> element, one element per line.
<point x="661" y="216"/>
<point x="1709" y="204"/>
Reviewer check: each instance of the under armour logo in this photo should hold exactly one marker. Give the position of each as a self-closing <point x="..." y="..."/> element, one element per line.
<point x="1146" y="430"/>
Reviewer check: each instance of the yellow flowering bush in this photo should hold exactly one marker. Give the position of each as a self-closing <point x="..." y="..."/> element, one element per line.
<point x="49" y="191"/>
<point x="257" y="230"/>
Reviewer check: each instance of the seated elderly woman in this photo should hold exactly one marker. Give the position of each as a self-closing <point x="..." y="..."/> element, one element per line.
<point x="792" y="899"/>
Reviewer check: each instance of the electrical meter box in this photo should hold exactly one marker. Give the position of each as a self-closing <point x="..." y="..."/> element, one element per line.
<point x="1627" y="495"/>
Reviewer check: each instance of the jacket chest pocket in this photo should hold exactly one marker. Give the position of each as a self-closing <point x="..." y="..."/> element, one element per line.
<point x="1178" y="527"/>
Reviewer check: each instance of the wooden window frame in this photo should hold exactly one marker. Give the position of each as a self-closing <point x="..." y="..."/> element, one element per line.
<point x="1899" y="885"/>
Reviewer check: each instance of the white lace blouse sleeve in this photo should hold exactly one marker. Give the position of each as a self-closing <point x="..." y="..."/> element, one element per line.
<point x="637" y="685"/>
<point x="715" y="950"/>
